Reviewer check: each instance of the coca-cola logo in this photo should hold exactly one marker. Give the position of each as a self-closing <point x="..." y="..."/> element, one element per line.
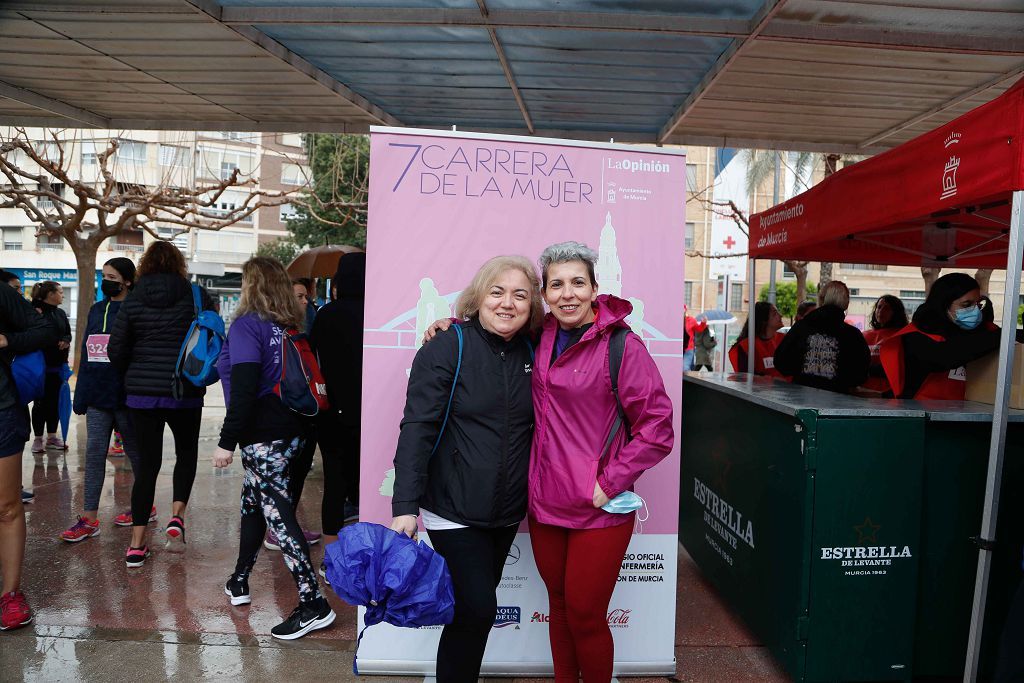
<point x="617" y="618"/>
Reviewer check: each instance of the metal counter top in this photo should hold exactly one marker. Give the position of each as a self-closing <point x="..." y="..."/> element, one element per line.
<point x="789" y="398"/>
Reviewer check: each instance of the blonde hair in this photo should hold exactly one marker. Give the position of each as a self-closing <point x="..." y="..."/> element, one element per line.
<point x="267" y="293"/>
<point x="835" y="293"/>
<point x="468" y="304"/>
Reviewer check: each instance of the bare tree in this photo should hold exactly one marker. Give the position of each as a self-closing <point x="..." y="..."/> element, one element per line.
<point x="35" y="177"/>
<point x="831" y="166"/>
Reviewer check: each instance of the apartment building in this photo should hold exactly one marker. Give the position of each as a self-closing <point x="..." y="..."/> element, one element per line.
<point x="151" y="158"/>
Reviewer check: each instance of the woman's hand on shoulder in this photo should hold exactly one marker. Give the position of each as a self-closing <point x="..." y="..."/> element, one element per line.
<point x="600" y="499"/>
<point x="222" y="457"/>
<point x="406" y="524"/>
<point x="435" y="327"/>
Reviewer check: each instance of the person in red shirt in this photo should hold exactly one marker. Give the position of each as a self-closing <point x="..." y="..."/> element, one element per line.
<point x="767" y="323"/>
<point x="888" y="317"/>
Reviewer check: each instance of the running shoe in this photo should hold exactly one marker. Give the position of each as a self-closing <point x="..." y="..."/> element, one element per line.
<point x="351" y="512"/>
<point x="238" y="591"/>
<point x="270" y="541"/>
<point x="81" y="530"/>
<point x="176" y="529"/>
<point x="323" y="574"/>
<point x="56" y="442"/>
<point x="37" y="445"/>
<point x="27" y="497"/>
<point x="14" y="611"/>
<point x="125" y="518"/>
<point x="136" y="557"/>
<point x="116" y="450"/>
<point x="304" y="618"/>
<point x="312" y="537"/>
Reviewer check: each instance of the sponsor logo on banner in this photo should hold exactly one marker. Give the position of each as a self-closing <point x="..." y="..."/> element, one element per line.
<point x="508" y="616"/>
<point x="642" y="568"/>
<point x="949" y="170"/>
<point x="617" y="618"/>
<point x="513" y="555"/>
<point x="638" y="165"/>
<point x="868" y="557"/>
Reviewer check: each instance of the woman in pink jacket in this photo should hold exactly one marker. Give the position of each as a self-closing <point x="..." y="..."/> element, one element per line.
<point x="579" y="498"/>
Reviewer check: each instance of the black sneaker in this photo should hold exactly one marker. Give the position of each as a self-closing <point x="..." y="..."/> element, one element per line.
<point x="238" y="591"/>
<point x="304" y="618"/>
<point x="27" y="497"/>
<point x="351" y="512"/>
<point x="323" y="574"/>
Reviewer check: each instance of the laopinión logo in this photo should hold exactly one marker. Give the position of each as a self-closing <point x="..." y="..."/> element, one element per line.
<point x="508" y="616"/>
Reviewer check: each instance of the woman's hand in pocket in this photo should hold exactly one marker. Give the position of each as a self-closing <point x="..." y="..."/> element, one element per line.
<point x="600" y="499"/>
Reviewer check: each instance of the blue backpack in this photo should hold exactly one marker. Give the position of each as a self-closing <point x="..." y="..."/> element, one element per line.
<point x="197" y="360"/>
<point x="29" y="374"/>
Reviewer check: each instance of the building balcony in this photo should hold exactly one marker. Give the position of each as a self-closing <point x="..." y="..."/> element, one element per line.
<point x="129" y="248"/>
<point x="50" y="246"/>
<point x="226" y="257"/>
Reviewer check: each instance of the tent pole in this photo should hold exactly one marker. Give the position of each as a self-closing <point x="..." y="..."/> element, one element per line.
<point x="751" y="335"/>
<point x="1004" y="378"/>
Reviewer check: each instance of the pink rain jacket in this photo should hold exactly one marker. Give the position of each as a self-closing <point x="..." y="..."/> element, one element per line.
<point x="573" y="411"/>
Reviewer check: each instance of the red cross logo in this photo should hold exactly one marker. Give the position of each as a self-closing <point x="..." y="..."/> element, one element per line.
<point x="729" y="242"/>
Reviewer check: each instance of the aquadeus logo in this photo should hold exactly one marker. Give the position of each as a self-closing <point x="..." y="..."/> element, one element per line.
<point x="507" y="616"/>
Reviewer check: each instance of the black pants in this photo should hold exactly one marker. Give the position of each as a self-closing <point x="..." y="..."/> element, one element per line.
<point x="44" y="411"/>
<point x="339" y="448"/>
<point x="476" y="558"/>
<point x="149" y="433"/>
<point x="299" y="467"/>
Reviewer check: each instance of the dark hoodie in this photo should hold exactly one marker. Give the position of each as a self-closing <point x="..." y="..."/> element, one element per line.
<point x="338" y="338"/>
<point x="26" y="331"/>
<point x="823" y="351"/>
<point x="148" y="333"/>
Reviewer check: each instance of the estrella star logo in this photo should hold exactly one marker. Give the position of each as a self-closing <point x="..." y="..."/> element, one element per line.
<point x="867" y="532"/>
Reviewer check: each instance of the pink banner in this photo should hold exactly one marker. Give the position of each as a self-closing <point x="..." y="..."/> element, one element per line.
<point x="441" y="204"/>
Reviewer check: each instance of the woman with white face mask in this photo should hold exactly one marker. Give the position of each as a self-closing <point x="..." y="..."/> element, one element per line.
<point x="927" y="358"/>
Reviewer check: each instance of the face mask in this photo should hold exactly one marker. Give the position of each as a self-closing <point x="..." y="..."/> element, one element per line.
<point x="968" y="318"/>
<point x="624" y="503"/>
<point x="111" y="288"/>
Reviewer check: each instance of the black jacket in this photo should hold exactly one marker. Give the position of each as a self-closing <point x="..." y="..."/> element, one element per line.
<point x="25" y="331"/>
<point x="55" y="315"/>
<point x="823" y="351"/>
<point x="149" y="331"/>
<point x="337" y="339"/>
<point x="478" y="475"/>
<point x="99" y="384"/>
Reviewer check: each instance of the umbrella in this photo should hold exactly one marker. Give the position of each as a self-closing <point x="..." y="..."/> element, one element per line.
<point x="64" y="401"/>
<point x="718" y="317"/>
<point x="398" y="580"/>
<point x="319" y="261"/>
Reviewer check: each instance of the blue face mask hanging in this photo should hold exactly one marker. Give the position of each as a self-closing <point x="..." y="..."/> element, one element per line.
<point x="968" y="318"/>
<point x="624" y="503"/>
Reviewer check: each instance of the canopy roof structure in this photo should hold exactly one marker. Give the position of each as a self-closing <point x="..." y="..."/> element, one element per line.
<point x="942" y="199"/>
<point x="820" y="75"/>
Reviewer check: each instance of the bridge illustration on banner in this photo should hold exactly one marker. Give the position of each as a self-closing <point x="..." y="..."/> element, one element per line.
<point x="405" y="330"/>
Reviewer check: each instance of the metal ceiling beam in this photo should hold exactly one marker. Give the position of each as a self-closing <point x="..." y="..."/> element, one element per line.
<point x="889" y="38"/>
<point x="738" y="47"/>
<point x="214" y="12"/>
<point x="381" y="16"/>
<point x="482" y="4"/>
<point x="53" y="106"/>
<point x="949" y="104"/>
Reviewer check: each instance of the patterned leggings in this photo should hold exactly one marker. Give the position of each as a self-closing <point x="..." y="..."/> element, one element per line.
<point x="265" y="502"/>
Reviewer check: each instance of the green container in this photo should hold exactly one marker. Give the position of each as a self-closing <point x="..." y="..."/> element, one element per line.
<point x="839" y="528"/>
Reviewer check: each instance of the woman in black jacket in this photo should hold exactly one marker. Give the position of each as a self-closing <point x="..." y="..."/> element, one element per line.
<point x="22" y="330"/>
<point x="99" y="395"/>
<point x="823" y="350"/>
<point x="465" y="469"/>
<point x="148" y="333"/>
<point x="47" y="297"/>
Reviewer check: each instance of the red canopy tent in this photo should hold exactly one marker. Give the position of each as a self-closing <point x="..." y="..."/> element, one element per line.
<point x="953" y="198"/>
<point x="941" y="199"/>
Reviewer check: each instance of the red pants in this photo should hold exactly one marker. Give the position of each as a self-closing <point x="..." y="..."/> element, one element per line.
<point x="580" y="568"/>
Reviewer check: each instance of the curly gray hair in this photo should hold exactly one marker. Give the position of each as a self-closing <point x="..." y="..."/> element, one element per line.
<point x="563" y="252"/>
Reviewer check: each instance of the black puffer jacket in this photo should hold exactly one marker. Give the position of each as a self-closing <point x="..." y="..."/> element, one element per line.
<point x="149" y="331"/>
<point x="478" y="475"/>
<point x="26" y="331"/>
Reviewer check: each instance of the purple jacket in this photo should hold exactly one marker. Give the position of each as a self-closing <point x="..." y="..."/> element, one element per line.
<point x="574" y="409"/>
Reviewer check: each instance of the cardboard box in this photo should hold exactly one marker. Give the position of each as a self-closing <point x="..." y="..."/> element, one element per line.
<point x="981" y="378"/>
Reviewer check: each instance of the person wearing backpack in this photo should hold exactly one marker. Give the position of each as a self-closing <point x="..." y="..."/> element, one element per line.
<point x="263" y="380"/>
<point x="599" y="427"/>
<point x="47" y="296"/>
<point x="22" y="330"/>
<point x="99" y="395"/>
<point x="464" y="446"/>
<point x="145" y="344"/>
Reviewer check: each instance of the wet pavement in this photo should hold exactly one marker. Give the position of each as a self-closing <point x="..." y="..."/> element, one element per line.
<point x="96" y="620"/>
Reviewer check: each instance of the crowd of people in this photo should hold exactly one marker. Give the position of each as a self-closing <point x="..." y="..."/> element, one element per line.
<point x="923" y="357"/>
